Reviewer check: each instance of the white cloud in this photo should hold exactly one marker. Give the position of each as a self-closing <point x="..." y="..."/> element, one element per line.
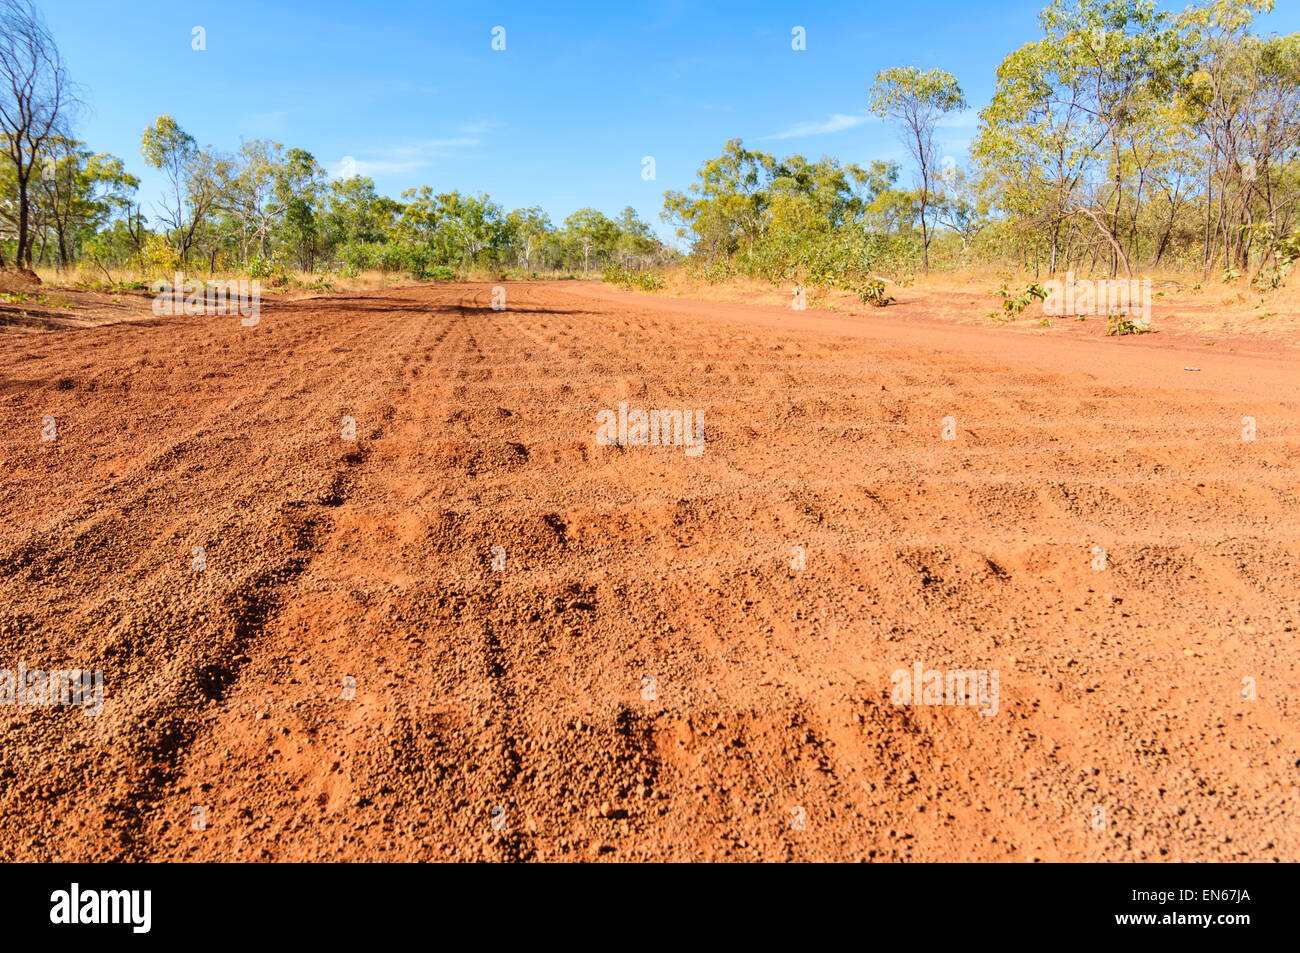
<point x="963" y="119"/>
<point x="401" y="157"/>
<point x="477" y="127"/>
<point x="419" y="89"/>
<point x="836" y="123"/>
<point x="265" y="124"/>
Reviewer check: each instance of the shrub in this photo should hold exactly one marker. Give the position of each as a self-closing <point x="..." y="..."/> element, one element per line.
<point x="413" y="258"/>
<point x="1118" y="323"/>
<point x="1015" y="303"/>
<point x="873" y="293"/>
<point x="615" y="274"/>
<point x="647" y="281"/>
<point x="159" y="257"/>
<point x="274" y="273"/>
<point x="1272" y="277"/>
<point x="710" y="272"/>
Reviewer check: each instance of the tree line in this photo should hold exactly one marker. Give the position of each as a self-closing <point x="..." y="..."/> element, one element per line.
<point x="266" y="205"/>
<point x="266" y="208"/>
<point x="263" y="208"/>
<point x="1124" y="138"/>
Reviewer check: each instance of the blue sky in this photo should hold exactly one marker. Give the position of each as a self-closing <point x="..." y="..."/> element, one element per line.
<point x="414" y="93"/>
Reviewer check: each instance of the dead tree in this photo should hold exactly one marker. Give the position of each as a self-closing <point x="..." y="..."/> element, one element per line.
<point x="35" y="99"/>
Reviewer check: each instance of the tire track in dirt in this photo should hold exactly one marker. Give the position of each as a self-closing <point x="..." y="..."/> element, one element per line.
<point x="369" y="391"/>
<point x="524" y="687"/>
<point x="158" y="716"/>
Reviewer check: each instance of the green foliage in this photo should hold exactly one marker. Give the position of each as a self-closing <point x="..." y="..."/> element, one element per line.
<point x="1288" y="249"/>
<point x="873" y="293"/>
<point x="916" y="100"/>
<point x="780" y="219"/>
<point x="616" y="274"/>
<point x="1273" y="276"/>
<point x="159" y="258"/>
<point x="791" y="220"/>
<point x="1107" y="138"/>
<point x="1014" y="303"/>
<point x="166" y="145"/>
<point x="1285" y="253"/>
<point x="1122" y="136"/>
<point x="908" y="94"/>
<point x="262" y="268"/>
<point x="1118" y="323"/>
<point x="710" y="272"/>
<point x="408" y="257"/>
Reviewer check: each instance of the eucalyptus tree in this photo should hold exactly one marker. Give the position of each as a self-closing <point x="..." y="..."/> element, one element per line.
<point x="916" y="100"/>
<point x="36" y="97"/>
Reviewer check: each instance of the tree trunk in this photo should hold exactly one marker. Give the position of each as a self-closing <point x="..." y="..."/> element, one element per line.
<point x="23" y="252"/>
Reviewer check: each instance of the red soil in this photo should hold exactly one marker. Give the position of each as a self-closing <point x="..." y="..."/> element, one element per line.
<point x="506" y="713"/>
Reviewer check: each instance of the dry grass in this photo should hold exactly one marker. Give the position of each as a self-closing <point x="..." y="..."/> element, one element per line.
<point x="1181" y="301"/>
<point x="90" y="276"/>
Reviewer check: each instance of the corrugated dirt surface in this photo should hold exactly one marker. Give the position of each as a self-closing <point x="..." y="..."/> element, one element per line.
<point x="474" y="632"/>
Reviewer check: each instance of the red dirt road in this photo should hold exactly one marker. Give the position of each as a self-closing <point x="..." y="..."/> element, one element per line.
<point x="648" y="676"/>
